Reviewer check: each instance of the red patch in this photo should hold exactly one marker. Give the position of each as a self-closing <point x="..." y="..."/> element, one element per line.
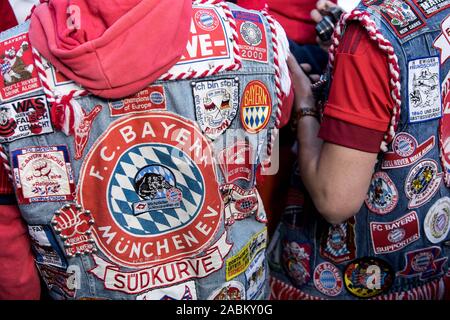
<point x="151" y="98"/>
<point x="252" y="39"/>
<point x="256" y="107"/>
<point x="18" y="72"/>
<point x="74" y="224"/>
<point x="393" y="236"/>
<point x="430" y="7"/>
<point x="84" y="130"/>
<point x="237" y="162"/>
<point x="444" y="132"/>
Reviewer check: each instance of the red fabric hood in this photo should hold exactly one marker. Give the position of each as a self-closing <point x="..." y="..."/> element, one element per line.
<point x="117" y="47"/>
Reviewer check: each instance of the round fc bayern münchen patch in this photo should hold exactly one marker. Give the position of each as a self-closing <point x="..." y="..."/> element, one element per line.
<point x="382" y="197"/>
<point x="404" y="144"/>
<point x="150" y="184"/>
<point x="327" y="279"/>
<point x="437" y="221"/>
<point x="251" y="33"/>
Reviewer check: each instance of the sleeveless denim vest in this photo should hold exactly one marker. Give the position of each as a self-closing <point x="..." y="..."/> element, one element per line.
<point x="397" y="245"/>
<point x="152" y="196"/>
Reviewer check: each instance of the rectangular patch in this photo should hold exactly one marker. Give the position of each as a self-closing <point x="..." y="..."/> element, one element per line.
<point x="400" y="15"/>
<point x="45" y="246"/>
<point x="43" y="174"/>
<point x="60" y="280"/>
<point x="431" y="7"/>
<point x="424" y="93"/>
<point x="151" y="98"/>
<point x="183" y="291"/>
<point x="389" y="237"/>
<point x="24" y="118"/>
<point x="209" y="43"/>
<point x="256" y="276"/>
<point x="252" y="39"/>
<point x="238" y="263"/>
<point x="18" y="72"/>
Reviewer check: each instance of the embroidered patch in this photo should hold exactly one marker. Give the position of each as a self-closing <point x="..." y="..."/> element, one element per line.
<point x="255" y="276"/>
<point x="252" y="36"/>
<point x="431" y="7"/>
<point x="437" y="221"/>
<point x="389" y="237"/>
<point x="232" y="290"/>
<point x="338" y="243"/>
<point x="150" y="98"/>
<point x="327" y="279"/>
<point x="209" y="45"/>
<point x="382" y="197"/>
<point x="238" y="263"/>
<point x="63" y="281"/>
<point x="83" y="131"/>
<point x="45" y="247"/>
<point x="216" y="105"/>
<point x="43" y="174"/>
<point x="160" y="200"/>
<point x="444" y="130"/>
<point x="73" y="224"/>
<point x="424" y="263"/>
<point x="402" y="17"/>
<point x="422" y="183"/>
<point x="406" y="151"/>
<point x="24" y="118"/>
<point x="169" y="274"/>
<point x="241" y="204"/>
<point x="256" y="107"/>
<point x="183" y="291"/>
<point x="237" y="162"/>
<point x="368" y="277"/>
<point x="424" y="92"/>
<point x="19" y="74"/>
<point x="442" y="42"/>
<point x="297" y="261"/>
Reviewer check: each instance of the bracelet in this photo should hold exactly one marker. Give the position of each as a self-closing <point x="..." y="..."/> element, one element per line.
<point x="307" y="112"/>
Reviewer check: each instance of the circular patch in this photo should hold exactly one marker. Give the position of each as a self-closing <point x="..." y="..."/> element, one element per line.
<point x="156" y="97"/>
<point x="437" y="221"/>
<point x="251" y="33"/>
<point x="256" y="107"/>
<point x="396" y="235"/>
<point x="232" y="290"/>
<point x="382" y="197"/>
<point x="422" y="183"/>
<point x="117" y="105"/>
<point x="207" y="19"/>
<point x="327" y="279"/>
<point x="368" y="277"/>
<point x="154" y="196"/>
<point x="404" y="144"/>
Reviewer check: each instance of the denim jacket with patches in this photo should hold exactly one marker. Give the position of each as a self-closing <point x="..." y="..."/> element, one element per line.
<point x="152" y="196"/>
<point x="402" y="228"/>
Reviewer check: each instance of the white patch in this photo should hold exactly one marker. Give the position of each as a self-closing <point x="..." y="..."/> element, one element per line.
<point x="256" y="276"/>
<point x="424" y="95"/>
<point x="183" y="291"/>
<point x="231" y="290"/>
<point x="437" y="221"/>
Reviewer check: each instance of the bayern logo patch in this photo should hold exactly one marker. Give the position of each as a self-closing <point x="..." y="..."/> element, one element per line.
<point x="256" y="107"/>
<point x="156" y="196"/>
<point x="328" y="279"/>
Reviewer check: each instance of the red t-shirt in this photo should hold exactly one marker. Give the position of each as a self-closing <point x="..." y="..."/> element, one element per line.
<point x="358" y="111"/>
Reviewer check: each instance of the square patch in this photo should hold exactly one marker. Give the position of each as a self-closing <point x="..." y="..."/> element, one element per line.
<point x="18" y="72"/>
<point x="424" y="92"/>
<point x="45" y="246"/>
<point x="43" y="174"/>
<point x="24" y="118"/>
<point x="252" y="39"/>
<point x="431" y="7"/>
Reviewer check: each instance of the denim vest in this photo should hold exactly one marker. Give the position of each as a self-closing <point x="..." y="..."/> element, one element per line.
<point x="396" y="246"/>
<point x="152" y="196"/>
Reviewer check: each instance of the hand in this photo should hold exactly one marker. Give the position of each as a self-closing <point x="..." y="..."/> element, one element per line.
<point x="302" y="85"/>
<point x="317" y="16"/>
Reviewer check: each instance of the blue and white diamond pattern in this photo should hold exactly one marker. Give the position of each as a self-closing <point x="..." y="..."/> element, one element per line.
<point x="122" y="194"/>
<point x="254" y="117"/>
<point x="338" y="237"/>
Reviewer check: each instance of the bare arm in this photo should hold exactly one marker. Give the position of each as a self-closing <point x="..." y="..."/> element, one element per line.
<point x="336" y="177"/>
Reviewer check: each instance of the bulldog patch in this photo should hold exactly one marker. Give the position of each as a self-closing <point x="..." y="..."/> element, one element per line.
<point x="401" y="16"/>
<point x="156" y="196"/>
<point x="430" y="7"/>
<point x="252" y="40"/>
<point x="256" y="107"/>
<point x="424" y="92"/>
<point x="18" y="72"/>
<point x="216" y="105"/>
<point x="24" y="118"/>
<point x="43" y="174"/>
<point x="442" y="42"/>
